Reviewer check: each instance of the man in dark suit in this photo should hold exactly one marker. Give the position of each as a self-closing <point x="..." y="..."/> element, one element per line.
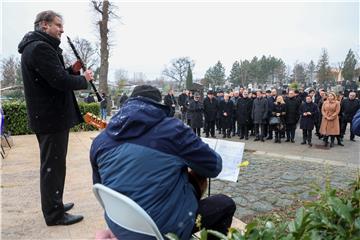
<point x="52" y="109"/>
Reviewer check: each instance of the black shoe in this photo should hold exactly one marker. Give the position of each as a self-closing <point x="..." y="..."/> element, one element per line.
<point x="68" y="206"/>
<point x="303" y="143"/>
<point x="233" y="134"/>
<point x="340" y="144"/>
<point x="207" y="135"/>
<point x="213" y="136"/>
<point x="326" y="144"/>
<point x="269" y="138"/>
<point x="262" y="140"/>
<point x="256" y="139"/>
<point x="310" y="144"/>
<point x="292" y="140"/>
<point x="287" y="140"/>
<point x="224" y="136"/>
<point x="331" y="144"/>
<point x="242" y="137"/>
<point x="229" y="136"/>
<point x="246" y="138"/>
<point x="353" y="140"/>
<point x="67" y="219"/>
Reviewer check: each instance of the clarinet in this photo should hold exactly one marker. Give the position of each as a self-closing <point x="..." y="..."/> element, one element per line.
<point x="99" y="98"/>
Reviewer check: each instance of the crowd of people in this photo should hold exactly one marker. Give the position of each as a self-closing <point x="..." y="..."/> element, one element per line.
<point x="269" y="114"/>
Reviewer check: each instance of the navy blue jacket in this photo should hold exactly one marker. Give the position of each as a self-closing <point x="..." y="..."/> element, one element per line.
<point x="145" y="155"/>
<point x="308" y="121"/>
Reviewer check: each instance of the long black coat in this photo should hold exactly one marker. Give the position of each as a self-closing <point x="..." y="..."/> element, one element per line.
<point x="308" y="122"/>
<point x="260" y="110"/>
<point x="243" y="110"/>
<point x="51" y="103"/>
<point x="170" y="100"/>
<point x="292" y="110"/>
<point x="211" y="108"/>
<point x="182" y="100"/>
<point x="349" y="109"/>
<point x="226" y="107"/>
<point x="196" y="110"/>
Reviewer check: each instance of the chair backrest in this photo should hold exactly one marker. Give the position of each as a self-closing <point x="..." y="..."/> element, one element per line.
<point x="125" y="212"/>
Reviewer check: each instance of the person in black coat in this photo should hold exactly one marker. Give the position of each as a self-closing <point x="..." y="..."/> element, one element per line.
<point x="278" y="111"/>
<point x="196" y="110"/>
<point x="243" y="114"/>
<point x="226" y="108"/>
<point x="182" y="101"/>
<point x="271" y="102"/>
<point x="349" y="107"/>
<point x="210" y="112"/>
<point x="170" y="101"/>
<point x="292" y="116"/>
<point x="259" y="115"/>
<point x="309" y="112"/>
<point x="123" y="99"/>
<point x="52" y="109"/>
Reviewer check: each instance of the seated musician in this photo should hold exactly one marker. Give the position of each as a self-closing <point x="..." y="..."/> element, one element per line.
<point x="146" y="155"/>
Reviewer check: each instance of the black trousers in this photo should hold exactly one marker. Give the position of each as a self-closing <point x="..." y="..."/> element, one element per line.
<point x="307" y="134"/>
<point x="243" y="128"/>
<point x="290" y="131"/>
<point x="261" y="134"/>
<point x="197" y="131"/>
<point x="343" y="129"/>
<point x="53" y="150"/>
<point x="216" y="213"/>
<point x="210" y="127"/>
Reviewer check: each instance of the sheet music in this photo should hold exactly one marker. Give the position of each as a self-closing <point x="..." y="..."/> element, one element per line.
<point x="231" y="154"/>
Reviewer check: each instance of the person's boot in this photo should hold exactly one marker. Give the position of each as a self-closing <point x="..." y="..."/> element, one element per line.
<point x="304" y="141"/>
<point x="309" y="143"/>
<point x="339" y="142"/>
<point x="229" y="134"/>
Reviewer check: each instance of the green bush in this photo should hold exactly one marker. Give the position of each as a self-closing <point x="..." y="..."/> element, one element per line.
<point x="16" y="117"/>
<point x="332" y="216"/>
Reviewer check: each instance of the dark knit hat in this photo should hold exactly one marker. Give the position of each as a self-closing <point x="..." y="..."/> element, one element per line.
<point x="147" y="91"/>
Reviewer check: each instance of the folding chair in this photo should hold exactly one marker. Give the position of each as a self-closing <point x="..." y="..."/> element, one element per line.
<point x="125" y="212"/>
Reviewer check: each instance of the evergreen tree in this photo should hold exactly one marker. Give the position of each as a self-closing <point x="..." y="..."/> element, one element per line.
<point x="310" y="70"/>
<point x="218" y="73"/>
<point x="323" y="69"/>
<point x="349" y="66"/>
<point x="299" y="73"/>
<point x="189" y="78"/>
<point x="235" y="74"/>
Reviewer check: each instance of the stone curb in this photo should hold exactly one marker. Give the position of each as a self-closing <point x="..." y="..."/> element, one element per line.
<point x="306" y="159"/>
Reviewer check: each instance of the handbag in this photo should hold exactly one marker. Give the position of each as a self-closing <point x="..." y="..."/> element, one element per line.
<point x="274" y="120"/>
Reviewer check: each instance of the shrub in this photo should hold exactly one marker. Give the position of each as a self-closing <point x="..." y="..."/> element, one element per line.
<point x="17" y="123"/>
<point x="331" y="216"/>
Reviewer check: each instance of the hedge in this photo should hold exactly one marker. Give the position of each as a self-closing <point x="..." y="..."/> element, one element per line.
<point x="16" y="121"/>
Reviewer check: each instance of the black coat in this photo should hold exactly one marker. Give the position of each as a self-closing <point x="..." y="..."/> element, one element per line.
<point x="271" y="101"/>
<point x="211" y="109"/>
<point x="243" y="110"/>
<point x="349" y="109"/>
<point x="292" y="110"/>
<point x="196" y="110"/>
<point x="226" y="107"/>
<point x="259" y="110"/>
<point x="182" y="100"/>
<point x="170" y="100"/>
<point x="48" y="86"/>
<point x="308" y="122"/>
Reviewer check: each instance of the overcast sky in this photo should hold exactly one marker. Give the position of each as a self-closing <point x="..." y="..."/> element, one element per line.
<point x="150" y="34"/>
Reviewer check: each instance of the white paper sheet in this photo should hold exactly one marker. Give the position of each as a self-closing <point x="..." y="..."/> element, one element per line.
<point x="231" y="154"/>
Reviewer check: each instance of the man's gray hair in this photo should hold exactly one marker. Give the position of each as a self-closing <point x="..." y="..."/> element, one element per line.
<point x="47" y="16"/>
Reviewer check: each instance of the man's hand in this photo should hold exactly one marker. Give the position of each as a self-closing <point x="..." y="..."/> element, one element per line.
<point x="88" y="74"/>
<point x="76" y="67"/>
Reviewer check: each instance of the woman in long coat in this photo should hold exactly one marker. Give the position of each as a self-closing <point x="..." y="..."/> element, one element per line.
<point x="196" y="109"/>
<point x="330" y="119"/>
<point x="309" y="113"/>
<point x="226" y="108"/>
<point x="279" y="111"/>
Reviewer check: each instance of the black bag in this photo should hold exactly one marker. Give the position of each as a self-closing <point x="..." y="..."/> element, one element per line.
<point x="274" y="120"/>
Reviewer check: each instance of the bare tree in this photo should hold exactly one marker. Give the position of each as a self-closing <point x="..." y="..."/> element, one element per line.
<point x="87" y="52"/>
<point x="177" y="70"/>
<point x="10" y="72"/>
<point x="106" y="11"/>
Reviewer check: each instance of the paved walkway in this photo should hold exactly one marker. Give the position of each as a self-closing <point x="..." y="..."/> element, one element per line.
<point x="277" y="175"/>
